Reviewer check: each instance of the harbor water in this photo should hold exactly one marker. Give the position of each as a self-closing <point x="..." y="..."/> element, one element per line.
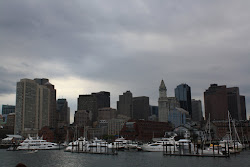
<point x="59" y="158"/>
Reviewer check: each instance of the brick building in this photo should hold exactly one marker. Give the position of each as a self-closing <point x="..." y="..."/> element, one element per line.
<point x="141" y="130"/>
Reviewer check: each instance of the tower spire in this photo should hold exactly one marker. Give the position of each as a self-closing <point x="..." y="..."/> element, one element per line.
<point x="162" y="89"/>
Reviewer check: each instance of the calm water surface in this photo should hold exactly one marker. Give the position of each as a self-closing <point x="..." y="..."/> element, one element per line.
<point x="59" y="158"/>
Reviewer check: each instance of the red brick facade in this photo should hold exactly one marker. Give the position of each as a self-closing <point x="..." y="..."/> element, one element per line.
<point x="141" y="130"/>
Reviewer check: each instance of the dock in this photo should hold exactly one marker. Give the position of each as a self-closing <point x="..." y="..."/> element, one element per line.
<point x="197" y="151"/>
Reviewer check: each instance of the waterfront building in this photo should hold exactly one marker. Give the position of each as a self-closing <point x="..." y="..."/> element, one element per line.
<point x="115" y="125"/>
<point x="220" y="99"/>
<point x="141" y="130"/>
<point x="7" y="109"/>
<point x="183" y="95"/>
<point x="82" y="118"/>
<point x="125" y="104"/>
<point x="222" y="129"/>
<point x="103" y="126"/>
<point x="63" y="113"/>
<point x="196" y="110"/>
<point x="141" y="108"/>
<point x="32" y="107"/>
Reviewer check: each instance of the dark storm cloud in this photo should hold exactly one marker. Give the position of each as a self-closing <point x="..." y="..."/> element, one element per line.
<point x="133" y="44"/>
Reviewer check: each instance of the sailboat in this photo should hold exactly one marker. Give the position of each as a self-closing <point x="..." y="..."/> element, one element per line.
<point x="234" y="145"/>
<point x="212" y="149"/>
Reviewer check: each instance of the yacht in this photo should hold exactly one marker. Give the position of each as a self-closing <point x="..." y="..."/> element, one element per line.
<point x="98" y="146"/>
<point x="79" y="145"/>
<point x="37" y="144"/>
<point x="165" y="144"/>
<point x="120" y="143"/>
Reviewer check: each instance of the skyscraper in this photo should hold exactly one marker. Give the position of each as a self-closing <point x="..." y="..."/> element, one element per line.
<point x="183" y="95"/>
<point x="234" y="106"/>
<point x="62" y="112"/>
<point x="141" y="109"/>
<point x="215" y="100"/>
<point x="125" y="104"/>
<point x="196" y="110"/>
<point x="93" y="102"/>
<point x="32" y="107"/>
<point x="52" y="113"/>
<point x="243" y="108"/>
<point x="219" y="100"/>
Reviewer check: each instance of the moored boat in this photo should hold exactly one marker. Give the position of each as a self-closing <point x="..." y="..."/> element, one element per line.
<point x="37" y="144"/>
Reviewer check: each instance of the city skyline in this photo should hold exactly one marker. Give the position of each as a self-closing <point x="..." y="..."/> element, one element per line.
<point x="84" y="47"/>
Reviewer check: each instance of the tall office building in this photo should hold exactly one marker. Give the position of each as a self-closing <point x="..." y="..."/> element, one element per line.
<point x="163" y="110"/>
<point x="234" y="106"/>
<point x="219" y="100"/>
<point x="141" y="109"/>
<point x="93" y="102"/>
<point x="63" y="112"/>
<point x="103" y="99"/>
<point x="125" y="104"/>
<point x="243" y="108"/>
<point x="183" y="95"/>
<point x="52" y="112"/>
<point x="215" y="101"/>
<point x="196" y="110"/>
<point x="32" y="107"/>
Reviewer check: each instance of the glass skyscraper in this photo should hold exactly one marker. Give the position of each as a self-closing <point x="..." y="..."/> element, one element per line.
<point x="183" y="95"/>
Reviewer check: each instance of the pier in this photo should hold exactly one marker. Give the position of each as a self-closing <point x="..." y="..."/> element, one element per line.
<point x="94" y="149"/>
<point x="197" y="150"/>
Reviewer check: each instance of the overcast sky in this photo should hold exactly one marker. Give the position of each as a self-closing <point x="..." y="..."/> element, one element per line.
<point x="85" y="46"/>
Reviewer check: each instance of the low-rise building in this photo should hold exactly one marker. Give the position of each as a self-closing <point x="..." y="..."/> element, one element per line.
<point x="142" y="130"/>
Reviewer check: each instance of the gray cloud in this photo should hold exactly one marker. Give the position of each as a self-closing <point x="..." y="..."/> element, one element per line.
<point x="132" y="44"/>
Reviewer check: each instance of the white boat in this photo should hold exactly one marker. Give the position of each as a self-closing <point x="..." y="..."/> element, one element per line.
<point x="165" y="144"/>
<point x="79" y="145"/>
<point x="37" y="144"/>
<point x="211" y="150"/>
<point x="185" y="146"/>
<point x="98" y="143"/>
<point x="98" y="146"/>
<point x="121" y="143"/>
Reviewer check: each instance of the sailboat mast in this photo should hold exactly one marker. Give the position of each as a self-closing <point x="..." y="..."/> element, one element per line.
<point x="209" y="129"/>
<point x="229" y="120"/>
